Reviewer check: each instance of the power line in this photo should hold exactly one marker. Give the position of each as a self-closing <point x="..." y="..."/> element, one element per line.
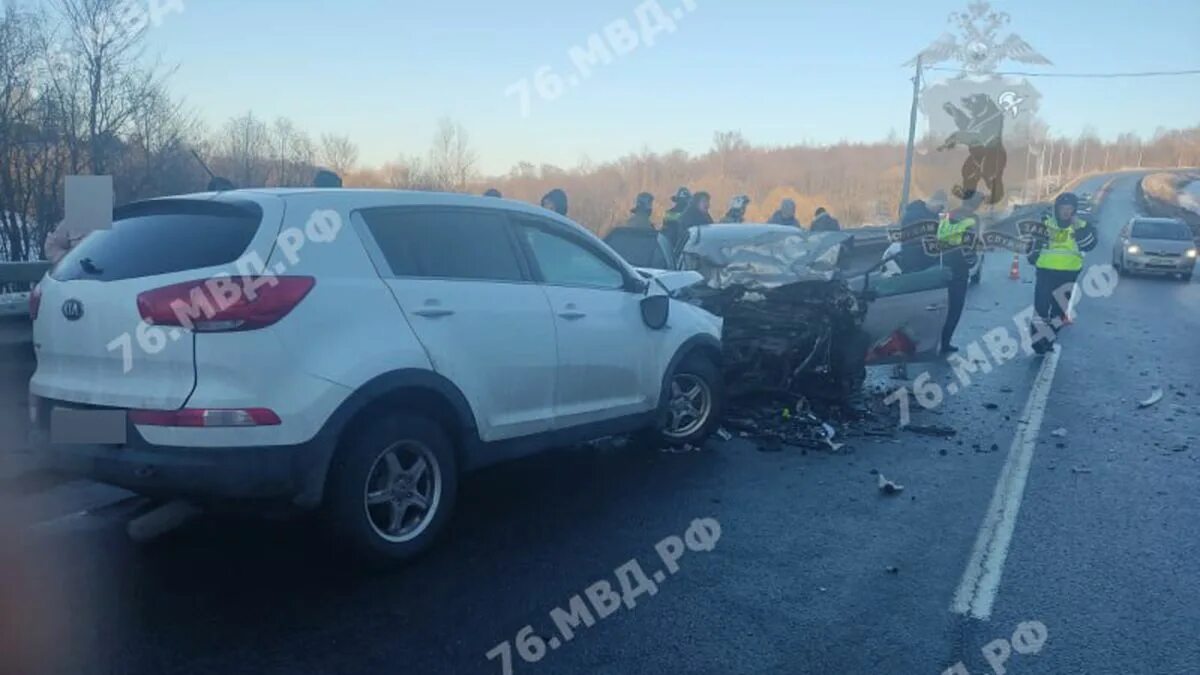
<point x="1149" y="73"/>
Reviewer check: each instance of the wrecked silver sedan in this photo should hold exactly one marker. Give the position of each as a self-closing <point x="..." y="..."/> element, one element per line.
<point x="804" y="312"/>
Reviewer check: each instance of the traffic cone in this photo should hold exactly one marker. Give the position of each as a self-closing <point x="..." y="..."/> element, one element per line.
<point x="1014" y="272"/>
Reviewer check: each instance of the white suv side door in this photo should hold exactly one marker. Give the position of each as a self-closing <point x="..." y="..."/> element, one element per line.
<point x="606" y="353"/>
<point x="463" y="286"/>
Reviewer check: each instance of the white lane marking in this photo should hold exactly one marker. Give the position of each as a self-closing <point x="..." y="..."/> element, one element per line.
<point x="981" y="580"/>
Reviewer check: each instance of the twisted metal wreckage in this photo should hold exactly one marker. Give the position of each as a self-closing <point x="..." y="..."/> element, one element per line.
<point x="792" y="324"/>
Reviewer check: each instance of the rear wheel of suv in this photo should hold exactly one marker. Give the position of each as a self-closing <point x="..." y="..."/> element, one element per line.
<point x="392" y="488"/>
<point x="693" y="397"/>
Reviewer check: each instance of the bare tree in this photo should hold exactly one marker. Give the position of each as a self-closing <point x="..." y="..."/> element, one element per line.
<point x="452" y="161"/>
<point x="157" y="158"/>
<point x="407" y="173"/>
<point x="103" y="78"/>
<point x="338" y="153"/>
<point x="291" y="154"/>
<point x="245" y="146"/>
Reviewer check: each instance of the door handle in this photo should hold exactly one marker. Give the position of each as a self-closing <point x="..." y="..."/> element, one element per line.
<point x="572" y="315"/>
<point x="433" y="310"/>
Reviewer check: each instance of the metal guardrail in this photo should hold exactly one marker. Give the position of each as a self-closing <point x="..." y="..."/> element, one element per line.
<point x="23" y="272"/>
<point x="20" y="274"/>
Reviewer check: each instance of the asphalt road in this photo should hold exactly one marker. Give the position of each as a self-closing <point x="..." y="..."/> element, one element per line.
<point x="1092" y="534"/>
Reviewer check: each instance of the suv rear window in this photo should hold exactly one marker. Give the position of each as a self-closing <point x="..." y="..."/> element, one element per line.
<point x="445" y="244"/>
<point x="161" y="237"/>
<point x="1162" y="229"/>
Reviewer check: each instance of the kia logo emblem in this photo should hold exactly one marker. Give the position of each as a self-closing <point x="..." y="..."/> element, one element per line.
<point x="72" y="309"/>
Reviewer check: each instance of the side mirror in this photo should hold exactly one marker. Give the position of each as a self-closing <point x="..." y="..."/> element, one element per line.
<point x="655" y="310"/>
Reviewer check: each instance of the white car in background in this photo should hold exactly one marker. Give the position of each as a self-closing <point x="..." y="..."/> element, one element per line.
<point x="398" y="340"/>
<point x="1156" y="246"/>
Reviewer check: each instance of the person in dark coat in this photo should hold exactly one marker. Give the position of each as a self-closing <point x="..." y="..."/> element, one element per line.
<point x="643" y="207"/>
<point x="327" y="179"/>
<point x="823" y="222"/>
<point x="737" y="210"/>
<point x="493" y="192"/>
<point x="695" y="215"/>
<point x="556" y="201"/>
<point x="697" y="211"/>
<point x="913" y="257"/>
<point x="672" y="227"/>
<point x="786" y="215"/>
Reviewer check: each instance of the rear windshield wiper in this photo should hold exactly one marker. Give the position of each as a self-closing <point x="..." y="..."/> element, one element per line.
<point x="89" y="267"/>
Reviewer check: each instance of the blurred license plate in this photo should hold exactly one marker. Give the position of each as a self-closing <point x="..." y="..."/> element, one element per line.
<point x="1164" y="262"/>
<point x="70" y="425"/>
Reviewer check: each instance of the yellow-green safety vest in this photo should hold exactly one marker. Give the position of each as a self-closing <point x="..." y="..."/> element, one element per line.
<point x="951" y="233"/>
<point x="1061" y="251"/>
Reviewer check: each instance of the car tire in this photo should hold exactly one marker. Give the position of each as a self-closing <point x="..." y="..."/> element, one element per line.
<point x="697" y="374"/>
<point x="1187" y="278"/>
<point x="379" y="501"/>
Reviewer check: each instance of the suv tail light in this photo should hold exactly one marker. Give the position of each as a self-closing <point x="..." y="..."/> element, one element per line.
<point x="205" y="417"/>
<point x="35" y="302"/>
<point x="224" y="304"/>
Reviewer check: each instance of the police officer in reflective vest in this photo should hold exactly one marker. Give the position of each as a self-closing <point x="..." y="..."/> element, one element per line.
<point x="1059" y="259"/>
<point x="958" y="258"/>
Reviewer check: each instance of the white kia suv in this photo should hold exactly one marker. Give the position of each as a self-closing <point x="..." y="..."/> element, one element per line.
<point x="354" y="351"/>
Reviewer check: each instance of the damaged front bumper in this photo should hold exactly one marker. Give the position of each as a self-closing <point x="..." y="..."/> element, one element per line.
<point x="792" y="324"/>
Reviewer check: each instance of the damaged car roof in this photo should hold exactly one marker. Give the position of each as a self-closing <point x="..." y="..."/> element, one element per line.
<point x="762" y="256"/>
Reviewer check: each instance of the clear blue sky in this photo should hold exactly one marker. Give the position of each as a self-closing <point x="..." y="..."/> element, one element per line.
<point x="780" y="71"/>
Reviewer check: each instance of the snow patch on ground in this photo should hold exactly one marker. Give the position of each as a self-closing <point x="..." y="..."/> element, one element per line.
<point x="1189" y="197"/>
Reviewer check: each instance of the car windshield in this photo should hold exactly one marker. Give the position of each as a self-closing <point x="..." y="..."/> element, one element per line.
<point x="1168" y="230"/>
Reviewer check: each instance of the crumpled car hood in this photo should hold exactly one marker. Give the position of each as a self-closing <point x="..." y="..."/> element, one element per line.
<point x="762" y="256"/>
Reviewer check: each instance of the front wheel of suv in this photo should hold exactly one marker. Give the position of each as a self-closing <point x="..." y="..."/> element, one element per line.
<point x="392" y="488"/>
<point x="693" y="399"/>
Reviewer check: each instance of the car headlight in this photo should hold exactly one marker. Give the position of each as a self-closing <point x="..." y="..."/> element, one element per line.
<point x="1191" y="253"/>
<point x="1133" y="249"/>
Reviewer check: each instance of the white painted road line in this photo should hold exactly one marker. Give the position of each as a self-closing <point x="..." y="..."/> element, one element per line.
<point x="981" y="580"/>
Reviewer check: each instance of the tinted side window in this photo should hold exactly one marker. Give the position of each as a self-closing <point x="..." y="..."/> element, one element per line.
<point x="566" y="263"/>
<point x="446" y="244"/>
<point x="160" y="238"/>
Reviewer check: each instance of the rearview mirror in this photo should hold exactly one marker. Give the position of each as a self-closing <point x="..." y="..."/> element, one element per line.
<point x="655" y="310"/>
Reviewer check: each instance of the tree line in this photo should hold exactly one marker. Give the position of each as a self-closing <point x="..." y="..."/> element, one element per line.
<point x="79" y="94"/>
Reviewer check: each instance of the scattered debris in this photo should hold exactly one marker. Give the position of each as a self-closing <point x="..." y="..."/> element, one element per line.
<point x="943" y="452"/>
<point x="1179" y="448"/>
<point x="1081" y="469"/>
<point x="931" y="430"/>
<point x="887" y="487"/>
<point x="1060" y="446"/>
<point x="724" y="435"/>
<point x="1154" y="398"/>
<point x="680" y="450"/>
<point x="1059" y="433"/>
<point x="1006" y="390"/>
<point x="991" y="406"/>
<point x="891" y="569"/>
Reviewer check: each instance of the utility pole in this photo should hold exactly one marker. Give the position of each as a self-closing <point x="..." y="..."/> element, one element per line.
<point x="912" y="138"/>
